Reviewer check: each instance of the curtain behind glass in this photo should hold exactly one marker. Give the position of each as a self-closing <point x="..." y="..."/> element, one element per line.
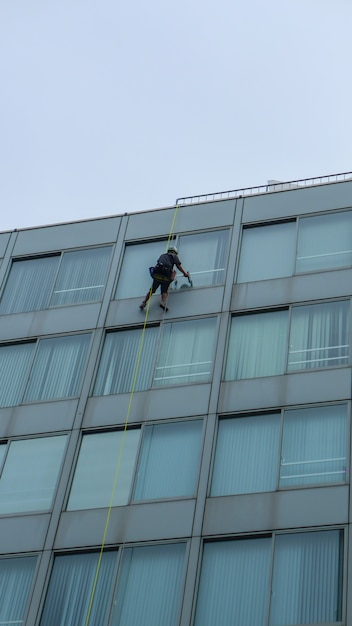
<point x="100" y="457"/>
<point x="81" y="276"/>
<point x="257" y="345"/>
<point x="306" y="578"/>
<point x="247" y="455"/>
<point x="204" y="255"/>
<point x="267" y="252"/>
<point x="29" y="285"/>
<point x="169" y="462"/>
<point x="186" y="352"/>
<point x="58" y="368"/>
<point x="234" y="583"/>
<point x="118" y="361"/>
<point x="15" y="361"/>
<point x="324" y="242"/>
<point x="314" y="446"/>
<point x="16" y="575"/>
<point x="150" y="586"/>
<point x="134" y="279"/>
<point x="319" y="336"/>
<point x="30" y="474"/>
<point x="70" y="588"/>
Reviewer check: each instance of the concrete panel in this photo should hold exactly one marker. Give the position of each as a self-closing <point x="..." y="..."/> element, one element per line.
<point x="4" y="240"/>
<point x="65" y="236"/>
<point x="32" y="419"/>
<point x="278" y="205"/>
<point x="284" y="291"/>
<point x="23" y="534"/>
<point x="156" y="404"/>
<point x="299" y="508"/>
<point x="141" y="522"/>
<point x="291" y="389"/>
<point x="49" y="321"/>
<point x="158" y="223"/>
<point x="183" y="303"/>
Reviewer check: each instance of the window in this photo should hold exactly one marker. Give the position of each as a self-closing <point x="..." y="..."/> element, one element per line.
<point x="182" y="354"/>
<point x="155" y="571"/>
<point x="297" y="447"/>
<point x="318" y="337"/>
<point x="16" y="577"/>
<point x="168" y="465"/>
<point x="204" y="255"/>
<point x="57" y="280"/>
<point x="308" y="244"/>
<point x="305" y="566"/>
<point x="29" y="473"/>
<point x="51" y="368"/>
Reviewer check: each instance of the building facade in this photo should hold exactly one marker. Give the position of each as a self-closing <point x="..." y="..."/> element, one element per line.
<point x="188" y="468"/>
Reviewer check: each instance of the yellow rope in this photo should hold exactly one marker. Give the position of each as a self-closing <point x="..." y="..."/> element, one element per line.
<point x="134" y="381"/>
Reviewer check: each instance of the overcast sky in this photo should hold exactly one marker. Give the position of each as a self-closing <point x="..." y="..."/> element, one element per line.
<point x="109" y="107"/>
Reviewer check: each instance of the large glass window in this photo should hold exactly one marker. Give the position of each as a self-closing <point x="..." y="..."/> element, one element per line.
<point x="272" y="451"/>
<point x="58" y="280"/>
<point x="204" y="255"/>
<point x="16" y="576"/>
<point x="15" y="360"/>
<point x="152" y="574"/>
<point x="318" y="337"/>
<point x="304" y="586"/>
<point x="30" y="472"/>
<point x="308" y="244"/>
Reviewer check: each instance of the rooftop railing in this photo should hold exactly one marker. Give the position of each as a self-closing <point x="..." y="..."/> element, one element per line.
<point x="271" y="186"/>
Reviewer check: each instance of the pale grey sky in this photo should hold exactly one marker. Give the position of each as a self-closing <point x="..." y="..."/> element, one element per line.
<point x="110" y="106"/>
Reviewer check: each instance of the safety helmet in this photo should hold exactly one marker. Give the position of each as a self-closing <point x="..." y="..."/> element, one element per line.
<point x="173" y="249"/>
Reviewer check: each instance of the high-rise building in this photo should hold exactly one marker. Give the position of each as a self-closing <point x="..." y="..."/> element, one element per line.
<point x="189" y="467"/>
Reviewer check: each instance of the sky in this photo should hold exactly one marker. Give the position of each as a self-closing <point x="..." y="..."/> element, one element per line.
<point x="109" y="107"/>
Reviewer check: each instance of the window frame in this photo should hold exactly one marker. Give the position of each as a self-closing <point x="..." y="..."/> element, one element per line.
<point x="23" y="555"/>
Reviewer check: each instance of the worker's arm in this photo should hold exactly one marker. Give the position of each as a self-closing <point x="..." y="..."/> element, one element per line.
<point x="179" y="267"/>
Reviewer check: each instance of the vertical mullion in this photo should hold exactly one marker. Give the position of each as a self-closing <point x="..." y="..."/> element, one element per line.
<point x="30" y="368"/>
<point x="55" y="279"/>
<point x="289" y="319"/>
<point x="270" y="582"/>
<point x="282" y="418"/>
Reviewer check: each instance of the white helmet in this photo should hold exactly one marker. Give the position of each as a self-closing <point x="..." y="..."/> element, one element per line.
<point x="173" y="249"/>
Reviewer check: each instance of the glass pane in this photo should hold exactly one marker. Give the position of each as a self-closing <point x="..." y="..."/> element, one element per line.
<point x="81" y="276"/>
<point x="30" y="474"/>
<point x="205" y="256"/>
<point x="169" y="463"/>
<point x="306" y="579"/>
<point x="267" y="252"/>
<point x="127" y="359"/>
<point x="186" y="352"/>
<point x="314" y="447"/>
<point x="16" y="576"/>
<point x="29" y="285"/>
<point x="15" y="361"/>
<point x="247" y="455"/>
<point x="153" y="575"/>
<point x="134" y="279"/>
<point x="319" y="336"/>
<point x="257" y="345"/>
<point x="102" y="457"/>
<point x="234" y="583"/>
<point x="71" y="589"/>
<point x="324" y="242"/>
<point x="58" y="368"/>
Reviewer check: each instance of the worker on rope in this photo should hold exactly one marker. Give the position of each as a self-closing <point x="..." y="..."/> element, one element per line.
<point x="163" y="274"/>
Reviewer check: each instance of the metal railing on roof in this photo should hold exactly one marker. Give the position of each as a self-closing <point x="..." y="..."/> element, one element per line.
<point x="271" y="186"/>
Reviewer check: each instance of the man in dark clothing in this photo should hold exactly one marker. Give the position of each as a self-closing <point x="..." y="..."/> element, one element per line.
<point x="163" y="275"/>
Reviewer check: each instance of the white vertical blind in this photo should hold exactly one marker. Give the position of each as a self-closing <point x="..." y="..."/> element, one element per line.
<point x="169" y="463"/>
<point x="29" y="285"/>
<point x="16" y="575"/>
<point x="204" y="255"/>
<point x="149" y="586"/>
<point x="247" y="455"/>
<point x="58" y="368"/>
<point x="117" y="366"/>
<point x="257" y="345"/>
<point x="324" y="241"/>
<point x="14" y="366"/>
<point x="70" y="589"/>
<point x="319" y="335"/>
<point x="267" y="252"/>
<point x="306" y="579"/>
<point x="81" y="276"/>
<point x="93" y="481"/>
<point x="234" y="583"/>
<point x="134" y="277"/>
